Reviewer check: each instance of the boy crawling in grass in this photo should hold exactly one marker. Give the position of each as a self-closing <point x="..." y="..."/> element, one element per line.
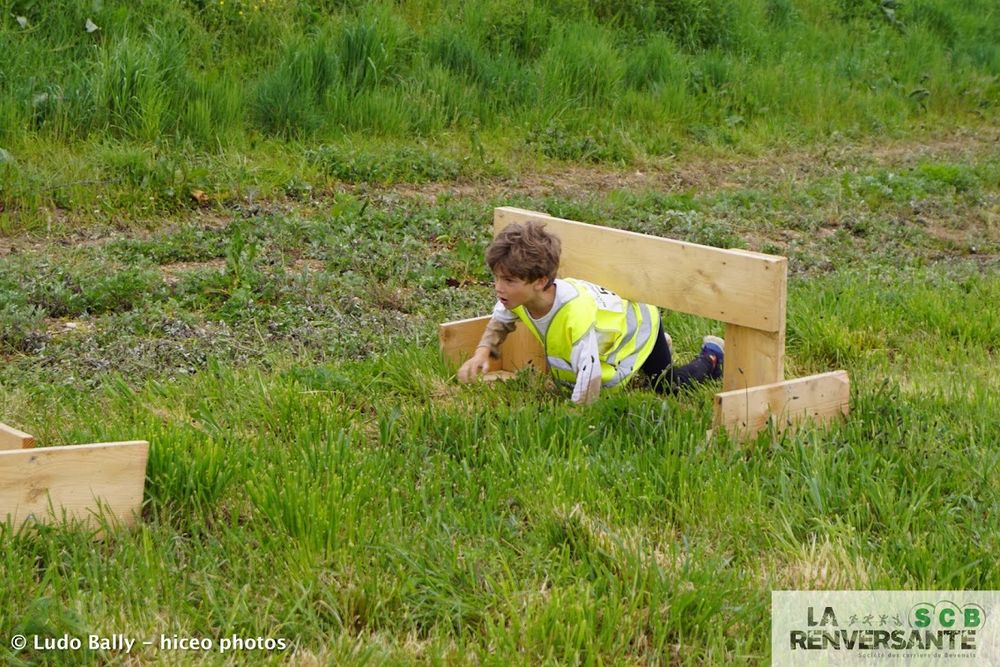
<point x="592" y="337"/>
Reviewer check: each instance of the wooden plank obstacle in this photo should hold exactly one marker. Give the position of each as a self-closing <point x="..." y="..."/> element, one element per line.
<point x="819" y="398"/>
<point x="78" y="483"/>
<point x="11" y="438"/>
<point x="746" y="290"/>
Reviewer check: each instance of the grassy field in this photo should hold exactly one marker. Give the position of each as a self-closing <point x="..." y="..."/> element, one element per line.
<point x="317" y="475"/>
<point x="231" y="228"/>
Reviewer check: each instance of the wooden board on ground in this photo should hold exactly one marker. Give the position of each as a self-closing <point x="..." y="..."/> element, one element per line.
<point x="522" y="349"/>
<point x="732" y="286"/>
<point x="458" y="341"/>
<point x="818" y="398"/>
<point x="11" y="438"/>
<point x="77" y="482"/>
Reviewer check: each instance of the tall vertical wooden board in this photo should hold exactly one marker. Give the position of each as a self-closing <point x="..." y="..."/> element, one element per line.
<point x="752" y="357"/>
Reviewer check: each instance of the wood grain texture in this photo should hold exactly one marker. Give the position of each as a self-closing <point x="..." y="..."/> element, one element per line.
<point x="753" y="357"/>
<point x="732" y="286"/>
<point x="458" y="341"/>
<point x="76" y="482"/>
<point x="522" y="349"/>
<point x="817" y="398"/>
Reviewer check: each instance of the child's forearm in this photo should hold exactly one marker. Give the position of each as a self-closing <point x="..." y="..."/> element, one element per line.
<point x="495" y="334"/>
<point x="586" y="392"/>
<point x="587" y="366"/>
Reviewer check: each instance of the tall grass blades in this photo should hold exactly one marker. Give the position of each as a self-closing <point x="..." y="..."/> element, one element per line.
<point x="214" y="115"/>
<point x="654" y="64"/>
<point x="581" y="70"/>
<point x="502" y="82"/>
<point x="693" y="24"/>
<point x="372" y="49"/>
<point x="140" y="86"/>
<point x="509" y="27"/>
<point x="290" y="99"/>
<point x="598" y="81"/>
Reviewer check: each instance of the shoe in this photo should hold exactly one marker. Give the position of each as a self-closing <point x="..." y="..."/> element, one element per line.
<point x="713" y="348"/>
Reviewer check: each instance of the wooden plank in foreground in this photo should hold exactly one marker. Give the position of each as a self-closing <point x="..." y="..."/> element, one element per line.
<point x="80" y="481"/>
<point x="732" y="286"/>
<point x="820" y="398"/>
<point x="11" y="438"/>
<point x="459" y="339"/>
<point x="522" y="349"/>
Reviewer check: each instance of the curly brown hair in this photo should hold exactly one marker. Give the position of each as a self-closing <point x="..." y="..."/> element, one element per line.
<point x="527" y="252"/>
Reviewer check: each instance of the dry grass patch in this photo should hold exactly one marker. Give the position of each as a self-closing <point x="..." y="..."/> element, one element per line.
<point x="818" y="565"/>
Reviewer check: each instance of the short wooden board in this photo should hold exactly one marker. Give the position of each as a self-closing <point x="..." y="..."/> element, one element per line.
<point x="77" y="483"/>
<point x="753" y="357"/>
<point x="818" y="398"/>
<point x="522" y="350"/>
<point x="11" y="438"/>
<point x="458" y="341"/>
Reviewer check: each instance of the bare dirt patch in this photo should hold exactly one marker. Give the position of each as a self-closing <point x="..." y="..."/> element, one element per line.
<point x="172" y="273"/>
<point x="55" y="327"/>
<point x="308" y="266"/>
<point x="721" y="172"/>
<point x="778" y="167"/>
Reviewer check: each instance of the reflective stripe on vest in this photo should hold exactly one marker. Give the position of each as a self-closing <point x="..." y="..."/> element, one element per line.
<point x="556" y="362"/>
<point x="627" y="366"/>
<point x="631" y="325"/>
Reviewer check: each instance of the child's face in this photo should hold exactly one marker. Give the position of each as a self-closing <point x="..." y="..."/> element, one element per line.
<point x="513" y="292"/>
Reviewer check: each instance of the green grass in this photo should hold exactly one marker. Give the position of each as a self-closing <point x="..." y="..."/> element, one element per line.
<point x="316" y="474"/>
<point x="231" y="228"/>
<point x="205" y="96"/>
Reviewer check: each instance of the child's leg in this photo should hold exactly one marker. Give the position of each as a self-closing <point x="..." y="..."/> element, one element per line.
<point x="696" y="370"/>
<point x="667" y="379"/>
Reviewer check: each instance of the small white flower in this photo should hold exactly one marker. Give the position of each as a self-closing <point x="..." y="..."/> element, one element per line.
<point x="91" y="26"/>
<point x="22" y="21"/>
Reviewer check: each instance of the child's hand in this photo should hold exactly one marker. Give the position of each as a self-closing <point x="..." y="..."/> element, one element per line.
<point x="478" y="365"/>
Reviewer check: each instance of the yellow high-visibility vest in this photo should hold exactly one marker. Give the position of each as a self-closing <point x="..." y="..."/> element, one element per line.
<point x="626" y="332"/>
